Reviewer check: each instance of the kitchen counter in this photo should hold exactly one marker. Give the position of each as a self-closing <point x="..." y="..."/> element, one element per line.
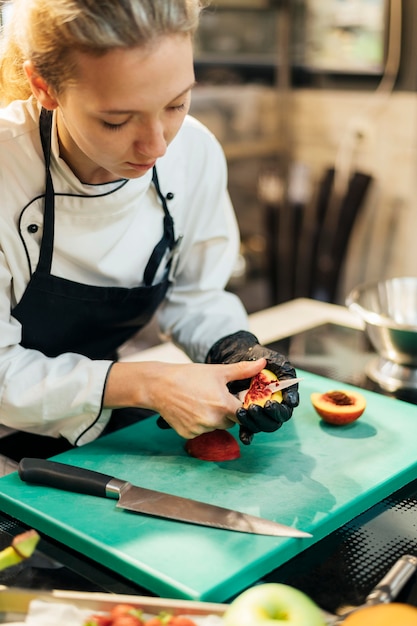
<point x="341" y="568"/>
<point x="268" y="325"/>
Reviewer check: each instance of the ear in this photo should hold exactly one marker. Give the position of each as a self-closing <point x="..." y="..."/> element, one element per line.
<point x="40" y="88"/>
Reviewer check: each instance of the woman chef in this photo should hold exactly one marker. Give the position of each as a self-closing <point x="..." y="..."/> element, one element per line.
<point x="114" y="206"/>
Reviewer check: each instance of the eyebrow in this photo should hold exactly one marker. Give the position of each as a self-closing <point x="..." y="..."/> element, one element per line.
<point x="124" y="112"/>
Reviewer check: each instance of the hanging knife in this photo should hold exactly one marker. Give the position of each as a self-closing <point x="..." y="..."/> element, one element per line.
<point x="147" y="501"/>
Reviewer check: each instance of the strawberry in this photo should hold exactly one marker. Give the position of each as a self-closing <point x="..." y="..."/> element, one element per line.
<point x="125" y="609"/>
<point x="99" y="620"/>
<point x="165" y="619"/>
<point x="127" y="620"/>
<point x="217" y="445"/>
<point x="126" y="615"/>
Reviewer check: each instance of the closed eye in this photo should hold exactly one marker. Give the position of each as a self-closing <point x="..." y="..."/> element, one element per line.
<point x="178" y="107"/>
<point x="113" y="126"/>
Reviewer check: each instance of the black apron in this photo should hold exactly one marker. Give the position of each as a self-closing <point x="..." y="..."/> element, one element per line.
<point x="59" y="315"/>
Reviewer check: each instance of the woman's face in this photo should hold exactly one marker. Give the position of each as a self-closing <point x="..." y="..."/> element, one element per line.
<point x="124" y="109"/>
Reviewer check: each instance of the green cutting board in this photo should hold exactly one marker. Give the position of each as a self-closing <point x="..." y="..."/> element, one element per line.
<point x="310" y="475"/>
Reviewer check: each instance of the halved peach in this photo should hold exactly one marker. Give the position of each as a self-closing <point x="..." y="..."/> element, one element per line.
<point x="339" y="406"/>
<point x="258" y="392"/>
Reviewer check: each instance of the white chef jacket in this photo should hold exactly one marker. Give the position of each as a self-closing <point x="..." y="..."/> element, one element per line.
<point x="104" y="235"/>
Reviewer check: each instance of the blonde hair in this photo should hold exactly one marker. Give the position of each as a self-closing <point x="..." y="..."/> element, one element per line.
<point x="47" y="31"/>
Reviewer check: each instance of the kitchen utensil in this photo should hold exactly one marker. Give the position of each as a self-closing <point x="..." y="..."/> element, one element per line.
<point x="345" y="200"/>
<point x="283" y="384"/>
<point x="389" y="310"/>
<point x="385" y="591"/>
<point x="148" y="501"/>
<point x="274" y="386"/>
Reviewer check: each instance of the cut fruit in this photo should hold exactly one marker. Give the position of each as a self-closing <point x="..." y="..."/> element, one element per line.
<point x="339" y="407"/>
<point x="259" y="393"/>
<point x="217" y="445"/>
<point x="22" y="547"/>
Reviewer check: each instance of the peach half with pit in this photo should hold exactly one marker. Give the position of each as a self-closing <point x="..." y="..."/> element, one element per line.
<point x="259" y="391"/>
<point x="339" y="406"/>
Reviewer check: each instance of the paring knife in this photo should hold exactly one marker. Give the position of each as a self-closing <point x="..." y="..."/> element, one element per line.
<point x="147" y="501"/>
<point x="279" y="385"/>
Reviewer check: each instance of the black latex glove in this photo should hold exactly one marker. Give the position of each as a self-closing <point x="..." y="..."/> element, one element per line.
<point x="243" y="346"/>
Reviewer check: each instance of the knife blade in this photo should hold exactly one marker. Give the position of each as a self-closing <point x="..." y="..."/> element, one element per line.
<point x="279" y="385"/>
<point x="148" y="501"/>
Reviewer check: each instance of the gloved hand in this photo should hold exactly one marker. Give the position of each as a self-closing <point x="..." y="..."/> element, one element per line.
<point x="243" y="346"/>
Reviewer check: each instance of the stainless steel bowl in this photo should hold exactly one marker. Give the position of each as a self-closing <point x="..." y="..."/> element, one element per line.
<point x="389" y="311"/>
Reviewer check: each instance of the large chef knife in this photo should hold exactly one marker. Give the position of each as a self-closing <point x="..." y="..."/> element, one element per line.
<point x="147" y="501"/>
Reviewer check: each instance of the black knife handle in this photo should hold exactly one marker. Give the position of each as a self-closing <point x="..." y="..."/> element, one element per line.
<point x="62" y="476"/>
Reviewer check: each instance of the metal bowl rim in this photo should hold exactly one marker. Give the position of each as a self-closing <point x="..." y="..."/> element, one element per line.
<point x="372" y="318"/>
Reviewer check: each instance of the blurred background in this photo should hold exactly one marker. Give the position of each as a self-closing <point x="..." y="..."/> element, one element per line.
<point x="314" y="102"/>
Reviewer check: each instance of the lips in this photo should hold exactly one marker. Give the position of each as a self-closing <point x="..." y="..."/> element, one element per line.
<point x="141" y="167"/>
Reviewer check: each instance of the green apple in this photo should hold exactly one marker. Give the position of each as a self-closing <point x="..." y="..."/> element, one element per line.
<point x="270" y="604"/>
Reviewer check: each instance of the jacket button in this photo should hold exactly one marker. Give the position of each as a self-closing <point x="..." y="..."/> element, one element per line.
<point x="170" y="195"/>
<point x="33" y="228"/>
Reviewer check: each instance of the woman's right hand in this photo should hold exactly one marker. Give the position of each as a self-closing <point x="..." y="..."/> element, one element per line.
<point x="193" y="398"/>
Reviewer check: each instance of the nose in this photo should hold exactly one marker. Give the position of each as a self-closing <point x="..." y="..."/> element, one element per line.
<point x="150" y="140"/>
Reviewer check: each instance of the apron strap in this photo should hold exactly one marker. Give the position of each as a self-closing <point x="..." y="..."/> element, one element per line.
<point x="46" y="251"/>
<point x="167" y="241"/>
<point x="47" y="244"/>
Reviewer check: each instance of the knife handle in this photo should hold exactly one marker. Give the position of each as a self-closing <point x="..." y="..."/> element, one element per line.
<point x="66" y="477"/>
